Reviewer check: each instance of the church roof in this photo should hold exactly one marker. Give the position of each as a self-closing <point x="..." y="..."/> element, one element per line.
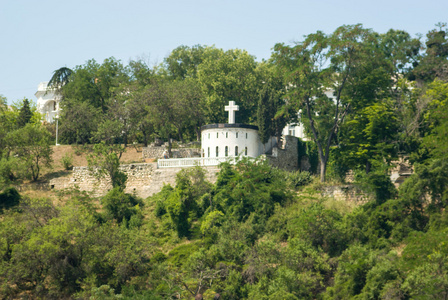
<point x="226" y="125"/>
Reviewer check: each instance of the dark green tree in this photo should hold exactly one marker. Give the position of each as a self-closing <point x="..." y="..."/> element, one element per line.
<point x="78" y="122"/>
<point x="183" y="203"/>
<point x="264" y="121"/>
<point x="60" y="78"/>
<point x="434" y="63"/>
<point x="272" y="111"/>
<point x="25" y="114"/>
<point x="121" y="206"/>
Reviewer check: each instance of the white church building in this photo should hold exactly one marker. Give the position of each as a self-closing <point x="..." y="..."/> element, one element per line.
<point x="47" y="102"/>
<point x="233" y="139"/>
<point x="227" y="141"/>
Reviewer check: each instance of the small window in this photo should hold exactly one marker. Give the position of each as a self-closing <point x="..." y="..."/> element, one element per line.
<point x="246" y="135"/>
<point x="217" y="135"/>
<point x="236" y="150"/>
<point x="208" y="152"/>
<point x="237" y="135"/>
<point x="245" y="150"/>
<point x="209" y="136"/>
<point x="226" y="151"/>
<point x="227" y="134"/>
<point x="217" y="151"/>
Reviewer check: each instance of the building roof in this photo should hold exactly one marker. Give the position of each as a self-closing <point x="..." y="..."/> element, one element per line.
<point x="226" y="125"/>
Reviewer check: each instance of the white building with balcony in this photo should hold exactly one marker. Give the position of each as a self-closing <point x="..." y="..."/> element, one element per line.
<point x="47" y="102"/>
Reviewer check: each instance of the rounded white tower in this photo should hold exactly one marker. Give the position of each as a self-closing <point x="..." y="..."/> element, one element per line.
<point x="230" y="139"/>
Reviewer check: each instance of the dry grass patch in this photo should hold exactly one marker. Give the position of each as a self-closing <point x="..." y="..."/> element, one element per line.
<point x="131" y="155"/>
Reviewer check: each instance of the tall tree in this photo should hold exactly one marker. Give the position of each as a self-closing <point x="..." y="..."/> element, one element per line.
<point x="434" y="62"/>
<point x="140" y="120"/>
<point x="92" y="90"/>
<point x="229" y="75"/>
<point x="60" y="78"/>
<point x="272" y="111"/>
<point x="183" y="61"/>
<point x="324" y="63"/>
<point x="161" y="105"/>
<point x="25" y="114"/>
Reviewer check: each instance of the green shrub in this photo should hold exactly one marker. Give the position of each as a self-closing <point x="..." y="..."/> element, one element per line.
<point x="67" y="161"/>
<point x="9" y="198"/>
<point x="78" y="150"/>
<point x="299" y="178"/>
<point x="179" y="255"/>
<point x="121" y="206"/>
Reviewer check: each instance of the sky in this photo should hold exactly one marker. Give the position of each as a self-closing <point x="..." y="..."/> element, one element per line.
<point x="38" y="37"/>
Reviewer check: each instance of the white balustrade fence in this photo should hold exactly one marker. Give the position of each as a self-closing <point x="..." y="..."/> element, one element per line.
<point x="194" y="161"/>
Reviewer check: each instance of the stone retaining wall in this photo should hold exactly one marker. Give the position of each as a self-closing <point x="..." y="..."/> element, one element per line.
<point x="157" y="152"/>
<point x="144" y="179"/>
<point x="346" y="193"/>
<point x="40" y="186"/>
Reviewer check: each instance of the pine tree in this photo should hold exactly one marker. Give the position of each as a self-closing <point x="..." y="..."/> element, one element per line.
<point x="264" y="120"/>
<point x="25" y="114"/>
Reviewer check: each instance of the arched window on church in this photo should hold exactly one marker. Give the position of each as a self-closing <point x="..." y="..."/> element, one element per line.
<point x="226" y="151"/>
<point x="217" y="151"/>
<point x="227" y="134"/>
<point x="246" y="135"/>
<point x="237" y="135"/>
<point x="236" y="150"/>
<point x="217" y="135"/>
<point x="208" y="152"/>
<point x="245" y="151"/>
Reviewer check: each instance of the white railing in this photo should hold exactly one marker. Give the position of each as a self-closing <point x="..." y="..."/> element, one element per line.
<point x="193" y="161"/>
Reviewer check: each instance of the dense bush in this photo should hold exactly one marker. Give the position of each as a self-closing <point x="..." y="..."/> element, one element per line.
<point x="9" y="198"/>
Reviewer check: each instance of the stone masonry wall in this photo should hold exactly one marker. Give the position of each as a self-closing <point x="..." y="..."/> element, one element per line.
<point x="84" y="180"/>
<point x="157" y="152"/>
<point x="346" y="193"/>
<point x="144" y="179"/>
<point x="287" y="158"/>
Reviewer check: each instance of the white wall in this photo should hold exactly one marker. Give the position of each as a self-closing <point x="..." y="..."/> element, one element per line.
<point x="233" y="137"/>
<point x="47" y="102"/>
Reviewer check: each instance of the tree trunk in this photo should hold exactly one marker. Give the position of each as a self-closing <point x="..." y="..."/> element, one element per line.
<point x="181" y="136"/>
<point x="125" y="140"/>
<point x="368" y="166"/>
<point x="169" y="145"/>
<point x="145" y="139"/>
<point x="198" y="134"/>
<point x="323" y="169"/>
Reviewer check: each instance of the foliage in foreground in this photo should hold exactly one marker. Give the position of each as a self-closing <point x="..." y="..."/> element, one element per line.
<point x="251" y="235"/>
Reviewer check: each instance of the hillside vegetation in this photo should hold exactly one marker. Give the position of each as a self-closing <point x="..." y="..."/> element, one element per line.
<point x="258" y="232"/>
